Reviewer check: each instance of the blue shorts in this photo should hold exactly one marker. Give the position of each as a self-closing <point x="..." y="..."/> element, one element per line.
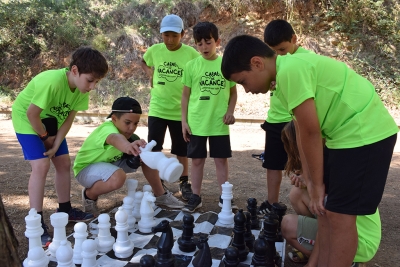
<point x="33" y="148"/>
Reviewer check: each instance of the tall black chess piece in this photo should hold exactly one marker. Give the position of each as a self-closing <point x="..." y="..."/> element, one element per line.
<point x="203" y="256"/>
<point x="271" y="235"/>
<point x="164" y="257"/>
<point x="231" y="258"/>
<point x="186" y="242"/>
<point x="280" y="210"/>
<point x="248" y="235"/>
<point x="147" y="261"/>
<point x="260" y="251"/>
<point x="252" y="208"/>
<point x="238" y="235"/>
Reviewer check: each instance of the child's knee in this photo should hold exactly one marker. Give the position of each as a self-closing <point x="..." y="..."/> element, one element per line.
<point x="295" y="195"/>
<point x="289" y="226"/>
<point x="117" y="180"/>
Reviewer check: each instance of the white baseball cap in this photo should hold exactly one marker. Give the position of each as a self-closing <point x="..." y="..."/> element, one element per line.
<point x="171" y="23"/>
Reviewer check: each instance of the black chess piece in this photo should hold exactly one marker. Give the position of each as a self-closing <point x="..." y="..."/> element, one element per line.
<point x="203" y="256"/>
<point x="280" y="210"/>
<point x="147" y="261"/>
<point x="260" y="251"/>
<point x="231" y="257"/>
<point x="252" y="208"/>
<point x="186" y="242"/>
<point x="164" y="257"/>
<point x="271" y="235"/>
<point x="238" y="235"/>
<point x="248" y="235"/>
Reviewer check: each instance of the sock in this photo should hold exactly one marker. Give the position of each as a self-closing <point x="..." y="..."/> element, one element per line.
<point x="41" y="218"/>
<point x="86" y="197"/>
<point x="184" y="179"/>
<point x="64" y="207"/>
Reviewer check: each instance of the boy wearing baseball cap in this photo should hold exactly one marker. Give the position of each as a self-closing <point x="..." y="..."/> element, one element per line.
<point x="164" y="63"/>
<point x="106" y="156"/>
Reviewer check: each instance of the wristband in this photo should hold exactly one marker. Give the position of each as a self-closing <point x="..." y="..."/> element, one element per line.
<point x="44" y="136"/>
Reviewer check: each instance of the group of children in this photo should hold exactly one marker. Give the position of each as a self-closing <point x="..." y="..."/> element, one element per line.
<point x="317" y="104"/>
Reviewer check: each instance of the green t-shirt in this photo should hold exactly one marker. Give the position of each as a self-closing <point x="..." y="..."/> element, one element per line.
<point x="209" y="97"/>
<point x="169" y="66"/>
<point x="49" y="91"/>
<point x="350" y="112"/>
<point x="95" y="149"/>
<point x="277" y="112"/>
<point x="369" y="236"/>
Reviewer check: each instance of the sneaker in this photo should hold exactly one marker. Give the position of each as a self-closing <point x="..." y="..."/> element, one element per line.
<point x="186" y="189"/>
<point x="233" y="205"/>
<point x="76" y="215"/>
<point x="354" y="264"/>
<point x="193" y="203"/>
<point x="265" y="208"/>
<point x="88" y="204"/>
<point x="169" y="201"/>
<point x="45" y="238"/>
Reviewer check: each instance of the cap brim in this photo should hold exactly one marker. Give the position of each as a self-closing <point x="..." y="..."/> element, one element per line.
<point x="109" y="116"/>
<point x="171" y="29"/>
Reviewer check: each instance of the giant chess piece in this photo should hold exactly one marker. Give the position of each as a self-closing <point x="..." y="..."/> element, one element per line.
<point x="164" y="257"/>
<point x="147" y="213"/>
<point x="147" y="261"/>
<point x="226" y="215"/>
<point x="252" y="208"/>
<point x="64" y="255"/>
<point x="105" y="240"/>
<point x="80" y="235"/>
<point x="231" y="258"/>
<point x="128" y="207"/>
<point x="271" y="235"/>
<point x="248" y="235"/>
<point x="238" y="235"/>
<point x="131" y="185"/>
<point x="34" y="230"/>
<point x="147" y="188"/>
<point x="260" y="252"/>
<point x="136" y="205"/>
<point x="169" y="168"/>
<point x="89" y="253"/>
<point x="186" y="242"/>
<point x="203" y="256"/>
<point x="123" y="246"/>
<point x="58" y="220"/>
<point x="280" y="210"/>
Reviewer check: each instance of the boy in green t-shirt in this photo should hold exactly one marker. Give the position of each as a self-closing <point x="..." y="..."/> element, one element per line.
<point x="105" y="157"/>
<point x="280" y="36"/>
<point x="42" y="115"/>
<point x="208" y="103"/>
<point x="164" y="63"/>
<point x="329" y="100"/>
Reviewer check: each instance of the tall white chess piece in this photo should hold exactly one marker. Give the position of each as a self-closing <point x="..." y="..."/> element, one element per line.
<point x="226" y="215"/>
<point x="131" y="185"/>
<point x="169" y="168"/>
<point x="123" y="246"/>
<point x="147" y="213"/>
<point x="58" y="220"/>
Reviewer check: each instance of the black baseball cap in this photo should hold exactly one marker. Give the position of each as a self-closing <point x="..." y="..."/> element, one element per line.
<point x="125" y="104"/>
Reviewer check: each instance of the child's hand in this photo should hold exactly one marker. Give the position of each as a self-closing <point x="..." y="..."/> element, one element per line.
<point x="229" y="118"/>
<point x="134" y="147"/>
<point x="51" y="152"/>
<point x="186" y="131"/>
<point x="48" y="143"/>
<point x="317" y="195"/>
<point x="298" y="181"/>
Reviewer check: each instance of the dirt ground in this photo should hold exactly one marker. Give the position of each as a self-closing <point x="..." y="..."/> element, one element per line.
<point x="246" y="174"/>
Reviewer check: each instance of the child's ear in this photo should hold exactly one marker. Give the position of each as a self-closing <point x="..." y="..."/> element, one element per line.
<point x="218" y="42"/>
<point x="74" y="70"/>
<point x="257" y="62"/>
<point x="294" y="39"/>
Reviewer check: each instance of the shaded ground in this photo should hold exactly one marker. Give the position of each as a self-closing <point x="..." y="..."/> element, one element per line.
<point x="246" y="174"/>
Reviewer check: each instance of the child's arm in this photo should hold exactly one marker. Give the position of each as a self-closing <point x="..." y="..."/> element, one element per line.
<point x="228" y="117"/>
<point x="148" y="70"/>
<point x="184" y="104"/>
<point x="122" y="144"/>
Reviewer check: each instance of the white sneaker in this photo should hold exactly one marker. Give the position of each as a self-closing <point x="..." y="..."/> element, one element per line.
<point x="169" y="201"/>
<point x="88" y="204"/>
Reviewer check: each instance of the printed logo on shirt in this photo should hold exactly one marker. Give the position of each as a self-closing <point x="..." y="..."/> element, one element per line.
<point x="169" y="71"/>
<point x="212" y="82"/>
<point x="61" y="111"/>
<point x="204" y="97"/>
<point x="115" y="158"/>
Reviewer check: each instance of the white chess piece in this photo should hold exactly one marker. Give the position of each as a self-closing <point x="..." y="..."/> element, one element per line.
<point x="147" y="213"/>
<point x="147" y="188"/>
<point x="123" y="246"/>
<point x="136" y="205"/>
<point x="58" y="220"/>
<point x="105" y="240"/>
<point x="64" y="255"/>
<point x="128" y="207"/>
<point x="169" y="168"/>
<point x="80" y="235"/>
<point x="131" y="184"/>
<point x="89" y="253"/>
<point x="226" y="215"/>
<point x="34" y="230"/>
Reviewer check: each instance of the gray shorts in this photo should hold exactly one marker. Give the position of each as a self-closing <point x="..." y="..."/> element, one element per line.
<point x="101" y="171"/>
<point x="307" y="231"/>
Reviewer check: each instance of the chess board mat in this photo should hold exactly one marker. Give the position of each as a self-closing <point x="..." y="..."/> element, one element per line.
<point x="219" y="238"/>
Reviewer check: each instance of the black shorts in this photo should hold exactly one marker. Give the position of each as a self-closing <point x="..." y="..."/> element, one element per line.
<point x="355" y="177"/>
<point x="275" y="156"/>
<point x="157" y="128"/>
<point x="220" y="146"/>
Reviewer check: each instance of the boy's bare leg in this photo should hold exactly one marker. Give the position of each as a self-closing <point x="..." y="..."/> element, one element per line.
<point x="62" y="181"/>
<point x="323" y="241"/>
<point x="313" y="259"/>
<point x="300" y="199"/>
<point x="289" y="232"/>
<point x="37" y="181"/>
<point x="153" y="177"/>
<point x="197" y="174"/>
<point x="221" y="165"/>
<point x="274" y="179"/>
<point x="184" y="161"/>
<point x="115" y="182"/>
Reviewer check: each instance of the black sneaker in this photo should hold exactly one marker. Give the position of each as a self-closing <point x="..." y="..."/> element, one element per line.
<point x="76" y="215"/>
<point x="265" y="208"/>
<point x="233" y="205"/>
<point x="45" y="238"/>
<point x="185" y="188"/>
<point x="193" y="203"/>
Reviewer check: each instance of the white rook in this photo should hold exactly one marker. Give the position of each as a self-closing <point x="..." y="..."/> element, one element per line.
<point x="58" y="220"/>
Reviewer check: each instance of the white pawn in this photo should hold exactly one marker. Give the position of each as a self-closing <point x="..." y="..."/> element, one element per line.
<point x="136" y="205"/>
<point x="147" y="188"/>
<point x="58" y="220"/>
<point x="128" y="207"/>
<point x="105" y="240"/>
<point x="123" y="246"/>
<point x="64" y="255"/>
<point x="147" y="213"/>
<point x="80" y="234"/>
<point x="169" y="168"/>
<point x="34" y="230"/>
<point x="131" y="184"/>
<point x="89" y="253"/>
<point x="226" y="215"/>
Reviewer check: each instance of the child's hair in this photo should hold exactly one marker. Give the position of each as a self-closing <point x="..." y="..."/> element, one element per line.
<point x="205" y="30"/>
<point x="288" y="136"/>
<point x="278" y="31"/>
<point x="89" y="61"/>
<point x="239" y="51"/>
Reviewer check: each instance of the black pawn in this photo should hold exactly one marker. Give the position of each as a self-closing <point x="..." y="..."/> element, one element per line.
<point x="280" y="210"/>
<point x="231" y="257"/>
<point x="252" y="208"/>
<point x="186" y="242"/>
<point x="147" y="261"/>
<point x="203" y="256"/>
<point x="260" y="251"/>
<point x="248" y="235"/>
<point x="238" y="235"/>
